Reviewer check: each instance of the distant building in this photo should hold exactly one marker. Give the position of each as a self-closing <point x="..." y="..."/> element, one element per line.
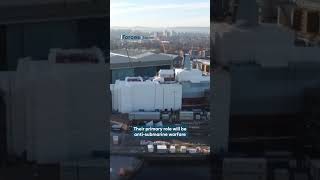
<point x="166" y="33"/>
<point x="195" y="53"/>
<point x="173" y="33"/>
<point x="202" y="64"/>
<point x="158" y="34"/>
<point x="204" y="54"/>
<point x="207" y="53"/>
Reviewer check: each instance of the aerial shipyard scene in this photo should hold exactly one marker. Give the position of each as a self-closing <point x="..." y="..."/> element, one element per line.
<point x="160" y="84"/>
<point x="264" y="100"/>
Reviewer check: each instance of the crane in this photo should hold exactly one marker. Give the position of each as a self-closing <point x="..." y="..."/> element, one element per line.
<point x="126" y="48"/>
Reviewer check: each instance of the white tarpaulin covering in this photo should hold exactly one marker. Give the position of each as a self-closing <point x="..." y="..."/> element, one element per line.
<point x="166" y="73"/>
<point x="193" y="75"/>
<point x="130" y="96"/>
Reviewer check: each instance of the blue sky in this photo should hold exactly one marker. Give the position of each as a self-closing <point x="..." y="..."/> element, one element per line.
<point x="160" y="13"/>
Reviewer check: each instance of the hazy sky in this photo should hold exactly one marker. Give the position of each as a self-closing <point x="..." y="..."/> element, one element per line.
<point x="160" y="13"/>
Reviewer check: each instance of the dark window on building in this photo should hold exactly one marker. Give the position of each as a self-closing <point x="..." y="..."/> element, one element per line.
<point x="77" y="58"/>
<point x="194" y="65"/>
<point x="145" y="71"/>
<point x="3" y="49"/>
<point x="93" y="32"/>
<point x="207" y="69"/>
<point x="162" y="67"/>
<point x="297" y="18"/>
<point x="313" y="22"/>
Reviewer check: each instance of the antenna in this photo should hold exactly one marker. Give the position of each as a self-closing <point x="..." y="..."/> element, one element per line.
<point x="126" y="47"/>
<point x="164" y="48"/>
<point x="162" y="45"/>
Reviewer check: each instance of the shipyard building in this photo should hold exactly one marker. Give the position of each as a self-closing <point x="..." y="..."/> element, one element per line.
<point x="172" y="89"/>
<point x="139" y="63"/>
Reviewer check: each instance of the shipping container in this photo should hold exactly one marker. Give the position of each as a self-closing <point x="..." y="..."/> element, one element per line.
<point x="186" y="115"/>
<point x="144" y="116"/>
<point x="166" y="73"/>
<point x="116" y="127"/>
<point x="183" y="149"/>
<point x="115" y="139"/>
<point x="162" y="149"/>
<point x="199" y="149"/>
<point x="145" y="142"/>
<point x="150" y="148"/>
<point x="192" y="150"/>
<point x="165" y="116"/>
<point x="172" y="149"/>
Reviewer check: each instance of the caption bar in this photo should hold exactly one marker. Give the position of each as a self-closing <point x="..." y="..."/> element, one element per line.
<point x="168" y="131"/>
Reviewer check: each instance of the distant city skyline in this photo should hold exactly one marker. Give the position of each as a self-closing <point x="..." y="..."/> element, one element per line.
<point x="160" y="13"/>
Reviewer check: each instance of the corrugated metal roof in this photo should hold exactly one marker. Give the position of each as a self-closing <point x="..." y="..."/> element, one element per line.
<point x="140" y="60"/>
<point x="203" y="61"/>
